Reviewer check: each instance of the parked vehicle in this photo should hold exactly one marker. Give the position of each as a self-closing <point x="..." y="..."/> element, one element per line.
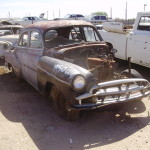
<point x="99" y="26"/>
<point x="10" y="29"/>
<point x="134" y="43"/>
<point x="27" y="20"/>
<point x="75" y="16"/>
<point x="67" y="61"/>
<point x="6" y="43"/>
<point x="8" y="37"/>
<point x="97" y="19"/>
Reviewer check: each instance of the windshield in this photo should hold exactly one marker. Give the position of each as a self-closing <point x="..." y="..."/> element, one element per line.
<point x="70" y="35"/>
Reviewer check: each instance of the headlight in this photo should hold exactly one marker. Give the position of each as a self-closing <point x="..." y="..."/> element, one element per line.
<point x="78" y="82"/>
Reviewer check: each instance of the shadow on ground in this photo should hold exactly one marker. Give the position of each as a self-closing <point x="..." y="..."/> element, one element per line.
<point x="19" y="102"/>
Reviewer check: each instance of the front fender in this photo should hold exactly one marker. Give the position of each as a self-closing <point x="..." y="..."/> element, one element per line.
<point x="61" y="73"/>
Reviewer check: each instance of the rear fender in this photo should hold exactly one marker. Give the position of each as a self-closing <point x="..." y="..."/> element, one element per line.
<point x="11" y="60"/>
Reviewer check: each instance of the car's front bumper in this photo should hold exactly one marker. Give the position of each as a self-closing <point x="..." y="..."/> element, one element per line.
<point x="113" y="92"/>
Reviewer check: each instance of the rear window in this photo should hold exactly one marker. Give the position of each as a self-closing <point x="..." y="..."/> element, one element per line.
<point x="144" y="23"/>
<point x="80" y="16"/>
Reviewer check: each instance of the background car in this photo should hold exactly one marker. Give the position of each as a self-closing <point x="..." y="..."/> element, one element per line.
<point x="97" y="19"/>
<point x="75" y="16"/>
<point x="10" y="29"/>
<point x="9" y="35"/>
<point x="99" y="26"/>
<point x="27" y="20"/>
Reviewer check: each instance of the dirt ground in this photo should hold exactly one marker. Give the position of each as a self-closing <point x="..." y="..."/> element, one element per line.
<point x="28" y="122"/>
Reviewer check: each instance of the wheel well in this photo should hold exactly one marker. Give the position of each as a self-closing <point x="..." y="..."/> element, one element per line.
<point x="134" y="73"/>
<point x="9" y="66"/>
<point x="48" y="87"/>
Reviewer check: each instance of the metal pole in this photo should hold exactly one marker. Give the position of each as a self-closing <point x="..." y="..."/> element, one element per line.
<point x="111" y="12"/>
<point x="47" y="15"/>
<point x="126" y="12"/>
<point x="59" y="13"/>
<point x="145" y="6"/>
<point x="53" y="14"/>
<point x="9" y="15"/>
<point x="129" y="62"/>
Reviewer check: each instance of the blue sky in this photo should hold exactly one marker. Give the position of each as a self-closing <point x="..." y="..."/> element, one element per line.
<point x="20" y="9"/>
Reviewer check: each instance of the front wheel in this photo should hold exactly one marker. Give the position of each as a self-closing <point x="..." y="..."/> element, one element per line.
<point x="134" y="74"/>
<point x="61" y="107"/>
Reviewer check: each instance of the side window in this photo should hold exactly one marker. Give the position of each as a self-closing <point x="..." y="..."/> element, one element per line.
<point x="103" y="18"/>
<point x="51" y="34"/>
<point x="75" y="34"/>
<point x="51" y="38"/>
<point x="96" y="17"/>
<point x="90" y="34"/>
<point x="35" y="40"/>
<point x="144" y="24"/>
<point x="23" y="39"/>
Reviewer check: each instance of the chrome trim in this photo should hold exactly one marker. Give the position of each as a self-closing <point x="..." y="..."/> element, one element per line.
<point x="116" y="91"/>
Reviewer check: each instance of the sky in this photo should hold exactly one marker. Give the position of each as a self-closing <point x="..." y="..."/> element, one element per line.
<point x="56" y="8"/>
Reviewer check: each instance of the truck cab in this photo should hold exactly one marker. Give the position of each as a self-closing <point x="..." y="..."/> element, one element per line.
<point x="138" y="46"/>
<point x="134" y="43"/>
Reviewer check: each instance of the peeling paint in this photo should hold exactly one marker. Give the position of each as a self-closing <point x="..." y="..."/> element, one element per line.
<point x="69" y="72"/>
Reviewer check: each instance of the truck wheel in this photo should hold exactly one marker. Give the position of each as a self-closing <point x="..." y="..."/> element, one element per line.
<point x="134" y="73"/>
<point x="60" y="106"/>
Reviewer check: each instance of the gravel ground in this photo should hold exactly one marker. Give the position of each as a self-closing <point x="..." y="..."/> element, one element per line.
<point x="28" y="122"/>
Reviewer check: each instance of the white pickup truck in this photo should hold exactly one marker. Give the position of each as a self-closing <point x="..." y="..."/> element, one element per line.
<point x="134" y="43"/>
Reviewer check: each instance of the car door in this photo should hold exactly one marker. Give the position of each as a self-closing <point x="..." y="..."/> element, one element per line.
<point x="28" y="51"/>
<point x="20" y="51"/>
<point x="34" y="52"/>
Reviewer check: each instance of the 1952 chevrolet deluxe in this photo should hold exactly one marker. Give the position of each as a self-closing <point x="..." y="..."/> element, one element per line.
<point x="68" y="61"/>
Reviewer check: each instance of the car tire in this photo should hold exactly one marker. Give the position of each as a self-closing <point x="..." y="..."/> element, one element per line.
<point x="60" y="105"/>
<point x="134" y="73"/>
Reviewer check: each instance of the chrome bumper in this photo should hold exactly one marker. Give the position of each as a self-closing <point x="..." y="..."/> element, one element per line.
<point x="114" y="92"/>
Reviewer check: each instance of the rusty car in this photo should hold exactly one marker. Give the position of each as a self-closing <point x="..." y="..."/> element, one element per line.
<point x="68" y="61"/>
<point x="10" y="29"/>
<point x="9" y="35"/>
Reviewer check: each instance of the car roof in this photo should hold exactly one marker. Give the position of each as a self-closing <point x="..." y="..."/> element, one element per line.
<point x="76" y="15"/>
<point x="45" y="25"/>
<point x="10" y="26"/>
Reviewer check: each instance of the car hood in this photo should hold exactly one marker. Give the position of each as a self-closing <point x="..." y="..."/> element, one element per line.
<point x="82" y="50"/>
<point x="6" y="43"/>
<point x="10" y="38"/>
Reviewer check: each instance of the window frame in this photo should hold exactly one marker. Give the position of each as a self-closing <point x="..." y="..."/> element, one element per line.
<point x="21" y="39"/>
<point x="28" y="39"/>
<point x="143" y="26"/>
<point x="40" y="38"/>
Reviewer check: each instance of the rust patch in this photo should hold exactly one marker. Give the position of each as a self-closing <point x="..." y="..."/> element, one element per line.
<point x="101" y="68"/>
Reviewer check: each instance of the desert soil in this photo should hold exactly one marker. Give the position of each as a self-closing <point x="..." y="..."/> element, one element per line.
<point x="28" y="122"/>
